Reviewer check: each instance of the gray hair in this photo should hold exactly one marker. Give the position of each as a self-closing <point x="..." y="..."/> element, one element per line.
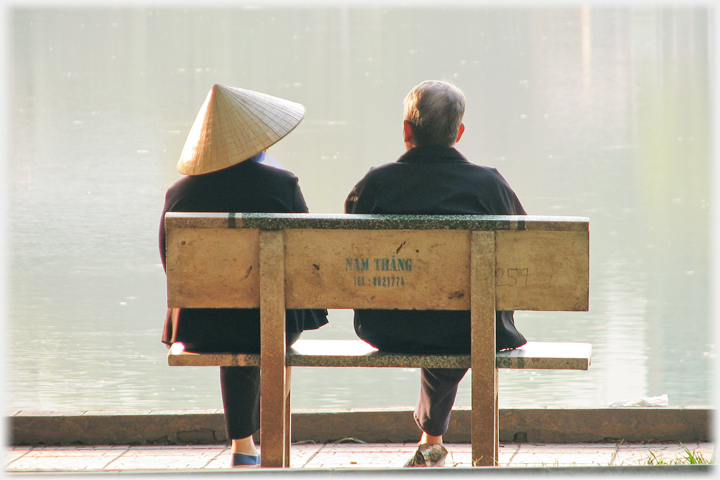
<point x="435" y="110"/>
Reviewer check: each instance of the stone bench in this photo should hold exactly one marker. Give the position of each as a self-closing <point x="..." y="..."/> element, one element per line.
<point x="457" y="262"/>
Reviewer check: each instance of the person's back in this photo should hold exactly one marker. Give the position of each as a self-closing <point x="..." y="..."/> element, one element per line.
<point x="248" y="187"/>
<point x="432" y="178"/>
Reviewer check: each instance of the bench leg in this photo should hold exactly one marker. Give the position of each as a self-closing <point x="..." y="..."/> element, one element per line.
<point x="273" y="379"/>
<point x="484" y="423"/>
<point x="484" y="417"/>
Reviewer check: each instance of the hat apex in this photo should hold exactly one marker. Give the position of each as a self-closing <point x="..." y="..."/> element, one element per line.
<point x="234" y="125"/>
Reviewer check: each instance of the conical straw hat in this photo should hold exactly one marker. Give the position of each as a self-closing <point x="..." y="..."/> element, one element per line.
<point x="233" y="125"/>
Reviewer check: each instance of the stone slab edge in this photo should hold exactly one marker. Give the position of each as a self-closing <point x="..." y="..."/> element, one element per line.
<point x="392" y="425"/>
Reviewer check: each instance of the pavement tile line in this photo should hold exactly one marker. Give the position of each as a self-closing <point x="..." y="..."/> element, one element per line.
<point x="313" y="455"/>
<point x="615" y="454"/>
<point x="514" y="455"/>
<point x="121" y="454"/>
<point x="217" y="457"/>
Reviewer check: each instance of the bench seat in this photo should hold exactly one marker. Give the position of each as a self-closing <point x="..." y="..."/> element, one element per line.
<point x="356" y="353"/>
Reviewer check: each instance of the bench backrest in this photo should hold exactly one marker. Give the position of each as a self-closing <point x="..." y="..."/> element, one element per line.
<point x="378" y="261"/>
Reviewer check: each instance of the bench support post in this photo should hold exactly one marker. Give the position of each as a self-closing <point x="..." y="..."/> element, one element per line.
<point x="274" y="425"/>
<point x="484" y="417"/>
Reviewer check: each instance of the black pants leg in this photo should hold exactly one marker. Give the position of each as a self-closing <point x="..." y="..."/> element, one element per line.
<point x="241" y="397"/>
<point x="438" y="388"/>
<point x="418" y="332"/>
<point x="427" y="332"/>
<point x="241" y="400"/>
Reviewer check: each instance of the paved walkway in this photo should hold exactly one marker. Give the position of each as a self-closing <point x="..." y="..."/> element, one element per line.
<point x="203" y="458"/>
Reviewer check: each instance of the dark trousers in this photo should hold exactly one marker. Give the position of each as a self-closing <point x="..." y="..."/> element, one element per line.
<point x="431" y="332"/>
<point x="240" y="385"/>
<point x="438" y="386"/>
<point x="228" y="330"/>
<point x="241" y="395"/>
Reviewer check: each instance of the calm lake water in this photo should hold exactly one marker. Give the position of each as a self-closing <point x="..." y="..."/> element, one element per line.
<point x="597" y="112"/>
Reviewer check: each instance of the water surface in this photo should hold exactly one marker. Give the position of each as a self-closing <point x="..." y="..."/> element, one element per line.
<point x="597" y="112"/>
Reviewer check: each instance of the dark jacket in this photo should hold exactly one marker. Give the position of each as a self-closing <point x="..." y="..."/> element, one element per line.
<point x="434" y="181"/>
<point x="248" y="187"/>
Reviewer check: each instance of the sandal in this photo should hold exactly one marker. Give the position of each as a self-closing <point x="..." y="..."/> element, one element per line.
<point x="244" y="460"/>
<point x="428" y="455"/>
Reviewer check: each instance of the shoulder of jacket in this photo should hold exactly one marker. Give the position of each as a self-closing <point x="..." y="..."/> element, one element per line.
<point x="274" y="171"/>
<point x="380" y="169"/>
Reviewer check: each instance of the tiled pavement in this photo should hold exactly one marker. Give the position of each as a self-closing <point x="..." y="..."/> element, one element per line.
<point x="40" y="459"/>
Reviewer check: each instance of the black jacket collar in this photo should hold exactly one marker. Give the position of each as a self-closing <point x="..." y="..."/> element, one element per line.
<point x="432" y="154"/>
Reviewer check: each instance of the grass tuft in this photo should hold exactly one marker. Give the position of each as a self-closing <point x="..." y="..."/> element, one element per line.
<point x="692" y="457"/>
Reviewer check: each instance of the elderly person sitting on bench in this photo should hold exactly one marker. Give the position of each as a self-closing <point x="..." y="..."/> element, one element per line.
<point x="432" y="178"/>
<point x="228" y="170"/>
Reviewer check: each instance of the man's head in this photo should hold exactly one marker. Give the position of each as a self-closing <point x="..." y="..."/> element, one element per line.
<point x="433" y="113"/>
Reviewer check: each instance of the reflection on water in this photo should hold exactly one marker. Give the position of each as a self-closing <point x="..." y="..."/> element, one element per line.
<point x="589" y="111"/>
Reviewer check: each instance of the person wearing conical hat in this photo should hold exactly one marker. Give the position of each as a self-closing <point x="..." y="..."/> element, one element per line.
<point x="228" y="169"/>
